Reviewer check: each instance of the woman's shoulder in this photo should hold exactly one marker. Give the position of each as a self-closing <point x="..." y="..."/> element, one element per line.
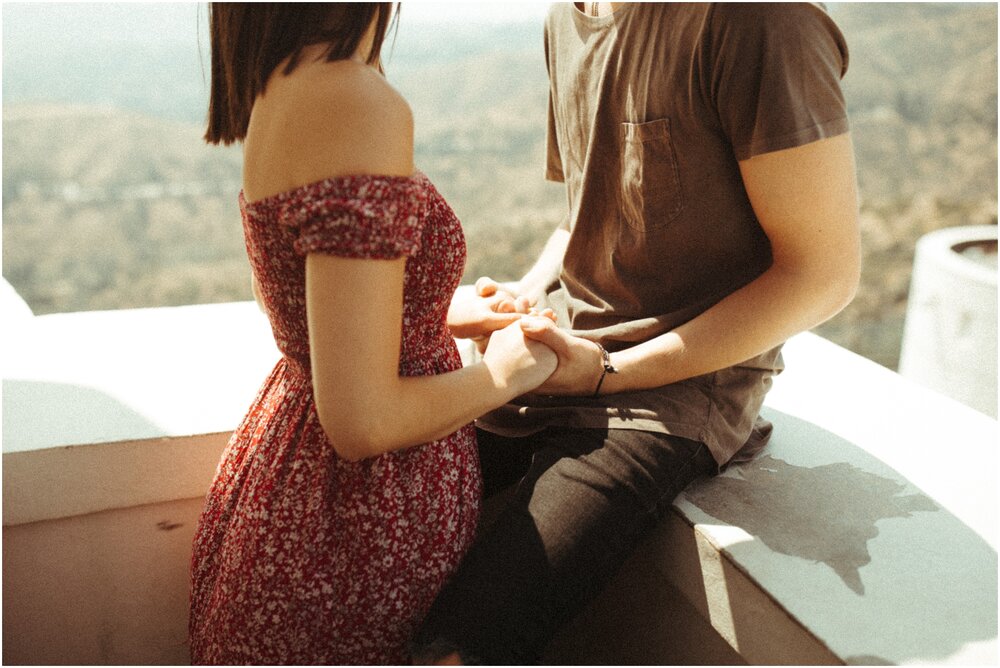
<point x="346" y="105"/>
<point x="346" y="90"/>
<point x="325" y="120"/>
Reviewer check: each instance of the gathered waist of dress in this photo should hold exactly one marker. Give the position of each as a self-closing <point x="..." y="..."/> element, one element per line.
<point x="297" y="365"/>
<point x="428" y="359"/>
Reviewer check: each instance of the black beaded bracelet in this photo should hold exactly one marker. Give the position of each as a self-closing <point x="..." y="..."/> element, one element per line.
<point x="607" y="367"/>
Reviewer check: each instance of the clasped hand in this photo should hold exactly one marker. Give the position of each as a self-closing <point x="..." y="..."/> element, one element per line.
<point x="495" y="308"/>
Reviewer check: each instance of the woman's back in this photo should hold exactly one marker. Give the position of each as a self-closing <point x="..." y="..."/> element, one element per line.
<point x="325" y="119"/>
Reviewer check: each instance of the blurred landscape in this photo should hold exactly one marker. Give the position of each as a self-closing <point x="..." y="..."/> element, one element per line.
<point x="111" y="200"/>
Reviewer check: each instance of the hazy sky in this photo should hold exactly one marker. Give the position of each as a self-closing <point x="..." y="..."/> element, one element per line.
<point x="146" y="55"/>
<point x="479" y="12"/>
<point x="134" y="20"/>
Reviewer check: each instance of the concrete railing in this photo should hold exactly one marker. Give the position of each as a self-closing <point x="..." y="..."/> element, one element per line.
<point x="113" y="423"/>
<point x="865" y="533"/>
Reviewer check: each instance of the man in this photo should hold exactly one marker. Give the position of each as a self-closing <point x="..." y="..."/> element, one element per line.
<point x="712" y="215"/>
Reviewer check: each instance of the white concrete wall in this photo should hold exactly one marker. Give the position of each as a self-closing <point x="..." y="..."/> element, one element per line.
<point x="100" y="589"/>
<point x="870" y="520"/>
<point x="105" y="376"/>
<point x="113" y="423"/>
<point x="96" y="547"/>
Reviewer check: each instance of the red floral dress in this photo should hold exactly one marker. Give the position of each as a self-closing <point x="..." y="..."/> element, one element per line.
<point x="301" y="557"/>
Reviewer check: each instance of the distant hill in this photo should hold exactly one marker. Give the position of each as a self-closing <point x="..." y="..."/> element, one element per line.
<point x="922" y="91"/>
<point x="922" y="94"/>
<point x="105" y="208"/>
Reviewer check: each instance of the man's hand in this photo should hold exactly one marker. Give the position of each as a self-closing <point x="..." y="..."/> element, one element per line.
<point x="494" y="307"/>
<point x="580" y="360"/>
<point x="476" y="317"/>
<point x="507" y="299"/>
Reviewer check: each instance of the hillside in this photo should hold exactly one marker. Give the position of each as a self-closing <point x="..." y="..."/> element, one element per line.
<point x="106" y="210"/>
<point x="109" y="203"/>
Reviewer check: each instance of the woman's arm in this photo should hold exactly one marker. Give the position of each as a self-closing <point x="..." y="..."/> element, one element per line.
<point x="354" y="310"/>
<point x="805" y="199"/>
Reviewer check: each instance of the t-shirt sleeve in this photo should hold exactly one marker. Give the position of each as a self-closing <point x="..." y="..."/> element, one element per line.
<point x="371" y="219"/>
<point x="553" y="161"/>
<point x="775" y="75"/>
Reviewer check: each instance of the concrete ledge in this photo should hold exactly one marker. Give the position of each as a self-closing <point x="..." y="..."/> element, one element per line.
<point x="865" y="533"/>
<point x="100" y="589"/>
<point x="63" y="482"/>
<point x="117" y="409"/>
<point x="107" y="376"/>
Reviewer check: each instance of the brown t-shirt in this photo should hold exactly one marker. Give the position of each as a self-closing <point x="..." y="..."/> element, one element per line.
<point x="649" y="111"/>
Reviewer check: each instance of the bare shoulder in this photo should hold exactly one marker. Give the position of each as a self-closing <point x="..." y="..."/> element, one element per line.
<point x="347" y="117"/>
<point x="325" y="120"/>
<point x="351" y="95"/>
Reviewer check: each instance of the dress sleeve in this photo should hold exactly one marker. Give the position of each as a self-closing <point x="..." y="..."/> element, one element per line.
<point x="775" y="75"/>
<point x="358" y="217"/>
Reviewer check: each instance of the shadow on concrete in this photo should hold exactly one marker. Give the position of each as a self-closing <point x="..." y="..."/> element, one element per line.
<point x="803" y="512"/>
<point x="938" y="591"/>
<point x="43" y="415"/>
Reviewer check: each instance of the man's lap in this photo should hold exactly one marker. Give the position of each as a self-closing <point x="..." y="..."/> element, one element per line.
<point x="583" y="499"/>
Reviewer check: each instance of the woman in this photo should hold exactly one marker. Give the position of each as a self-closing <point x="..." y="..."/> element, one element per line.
<point x="351" y="489"/>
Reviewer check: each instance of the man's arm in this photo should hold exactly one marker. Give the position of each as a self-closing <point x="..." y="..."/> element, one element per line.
<point x="806" y="201"/>
<point x="546" y="269"/>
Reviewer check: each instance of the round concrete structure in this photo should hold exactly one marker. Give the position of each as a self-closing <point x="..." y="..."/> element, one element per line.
<point x="950" y="336"/>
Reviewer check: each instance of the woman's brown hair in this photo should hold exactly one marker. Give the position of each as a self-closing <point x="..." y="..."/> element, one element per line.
<point x="250" y="39"/>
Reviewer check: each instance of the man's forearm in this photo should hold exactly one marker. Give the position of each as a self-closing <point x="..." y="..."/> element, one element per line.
<point x="546" y="269"/>
<point x="748" y="322"/>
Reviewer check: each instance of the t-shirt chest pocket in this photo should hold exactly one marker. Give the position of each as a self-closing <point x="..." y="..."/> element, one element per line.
<point x="650" y="182"/>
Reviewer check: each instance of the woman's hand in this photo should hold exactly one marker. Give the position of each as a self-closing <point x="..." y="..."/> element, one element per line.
<point x="580" y="360"/>
<point x="504" y="295"/>
<point x="518" y="362"/>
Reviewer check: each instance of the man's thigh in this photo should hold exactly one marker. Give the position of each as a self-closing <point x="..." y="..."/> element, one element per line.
<point x="583" y="502"/>
<point x="504" y="460"/>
